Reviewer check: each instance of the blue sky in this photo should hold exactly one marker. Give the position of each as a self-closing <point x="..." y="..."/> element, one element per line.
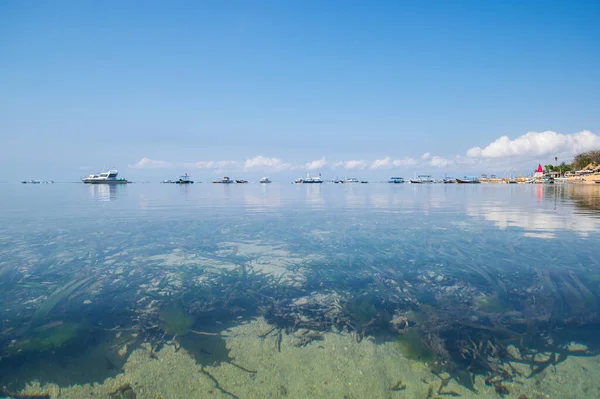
<point x="270" y="87"/>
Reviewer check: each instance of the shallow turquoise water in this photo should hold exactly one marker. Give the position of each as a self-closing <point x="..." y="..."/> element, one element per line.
<point x="78" y="260"/>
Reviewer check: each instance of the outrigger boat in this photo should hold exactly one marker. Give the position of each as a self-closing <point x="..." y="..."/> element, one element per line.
<point x="422" y="179"/>
<point x="468" y="180"/>
<point x="224" y="180"/>
<point x="396" y="180"/>
<point x="109" y="177"/>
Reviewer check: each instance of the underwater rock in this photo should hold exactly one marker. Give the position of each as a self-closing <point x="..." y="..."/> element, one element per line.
<point x="399" y="385"/>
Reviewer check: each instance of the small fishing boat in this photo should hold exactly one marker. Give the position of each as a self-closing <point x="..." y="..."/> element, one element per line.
<point x="109" y="177"/>
<point x="224" y="180"/>
<point x="449" y="180"/>
<point x="350" y="180"/>
<point x="265" y="180"/>
<point x="396" y="180"/>
<point x="241" y="181"/>
<point x="468" y="180"/>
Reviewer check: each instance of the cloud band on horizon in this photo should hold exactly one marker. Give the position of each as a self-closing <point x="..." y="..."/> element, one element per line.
<point x="500" y="151"/>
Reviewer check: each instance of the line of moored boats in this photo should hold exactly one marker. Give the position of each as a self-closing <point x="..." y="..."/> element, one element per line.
<point x="111" y="177"/>
<point x="185" y="179"/>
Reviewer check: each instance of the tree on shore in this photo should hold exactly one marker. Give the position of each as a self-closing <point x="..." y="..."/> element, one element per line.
<point x="562" y="168"/>
<point x="585" y="158"/>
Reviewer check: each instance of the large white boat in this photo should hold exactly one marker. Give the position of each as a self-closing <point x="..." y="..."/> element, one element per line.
<point x="109" y="177"/>
<point x="185" y="179"/>
<point x="310" y="179"/>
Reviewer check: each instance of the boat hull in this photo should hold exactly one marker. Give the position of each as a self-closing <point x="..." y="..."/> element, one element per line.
<point x="89" y="181"/>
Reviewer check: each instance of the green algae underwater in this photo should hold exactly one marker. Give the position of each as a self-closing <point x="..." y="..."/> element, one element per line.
<point x="469" y="301"/>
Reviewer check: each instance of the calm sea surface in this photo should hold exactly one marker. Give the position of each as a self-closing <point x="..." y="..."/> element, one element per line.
<point x="469" y="281"/>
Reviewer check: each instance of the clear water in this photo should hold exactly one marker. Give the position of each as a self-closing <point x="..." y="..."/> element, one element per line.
<point x="457" y="277"/>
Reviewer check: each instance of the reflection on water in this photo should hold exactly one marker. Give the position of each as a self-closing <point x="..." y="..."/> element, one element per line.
<point x="425" y="289"/>
<point x="548" y="215"/>
<point x="313" y="195"/>
<point x="106" y="192"/>
<point x="266" y="199"/>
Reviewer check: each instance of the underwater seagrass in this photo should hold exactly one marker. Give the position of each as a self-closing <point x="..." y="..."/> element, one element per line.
<point x="51" y="338"/>
<point x="175" y="320"/>
<point x="413" y="347"/>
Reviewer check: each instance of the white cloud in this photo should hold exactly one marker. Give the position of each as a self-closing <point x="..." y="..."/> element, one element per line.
<point x="457" y="160"/>
<point x="538" y="143"/>
<point x="316" y="164"/>
<point x="147" y="163"/>
<point x="404" y="162"/>
<point x="353" y="164"/>
<point x="381" y="163"/>
<point x="387" y="162"/>
<point x="440" y="162"/>
<point x="426" y="155"/>
<point x="210" y="164"/>
<point x="263" y="162"/>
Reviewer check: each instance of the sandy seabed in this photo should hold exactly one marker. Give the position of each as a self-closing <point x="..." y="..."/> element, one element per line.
<point x="335" y="367"/>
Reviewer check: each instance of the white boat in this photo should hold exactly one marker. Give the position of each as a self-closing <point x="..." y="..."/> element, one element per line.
<point x="224" y="180"/>
<point x="185" y="179"/>
<point x="421" y="179"/>
<point x="310" y="179"/>
<point x="350" y="180"/>
<point x="109" y="177"/>
<point x="265" y="180"/>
